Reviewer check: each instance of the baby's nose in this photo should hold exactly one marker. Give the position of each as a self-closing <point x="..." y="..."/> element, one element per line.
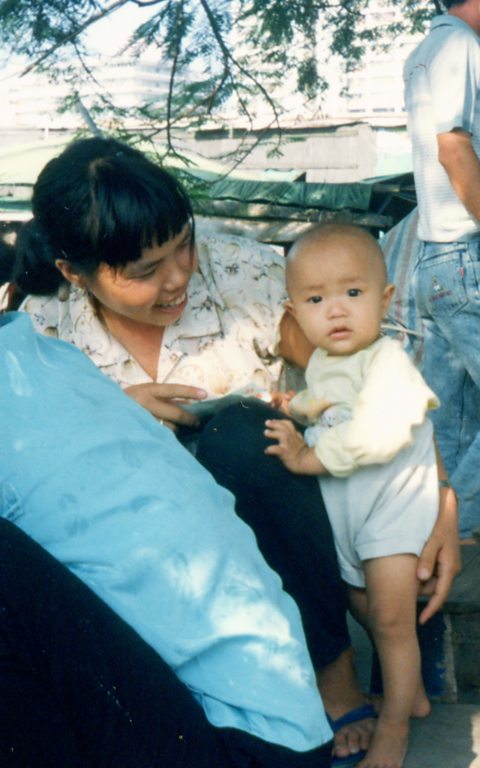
<point x="337" y="309"/>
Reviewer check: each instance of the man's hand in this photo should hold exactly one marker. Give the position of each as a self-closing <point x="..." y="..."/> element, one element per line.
<point x="440" y="561"/>
<point x="164" y="401"/>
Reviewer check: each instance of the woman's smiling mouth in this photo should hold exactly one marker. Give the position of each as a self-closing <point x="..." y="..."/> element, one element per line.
<point x="173" y="304"/>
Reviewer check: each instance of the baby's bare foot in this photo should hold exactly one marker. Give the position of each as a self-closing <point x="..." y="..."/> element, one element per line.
<point x="388" y="746"/>
<point x="421" y="705"/>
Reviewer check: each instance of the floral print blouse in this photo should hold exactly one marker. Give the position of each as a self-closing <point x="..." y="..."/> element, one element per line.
<point x="226" y="338"/>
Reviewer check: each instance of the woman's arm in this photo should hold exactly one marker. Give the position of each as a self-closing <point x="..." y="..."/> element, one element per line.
<point x="294" y="345"/>
<point x="440" y="561"/>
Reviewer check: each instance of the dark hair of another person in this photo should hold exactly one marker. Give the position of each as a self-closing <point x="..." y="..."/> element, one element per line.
<point x="7" y="260"/>
<point x="450" y="3"/>
<point x="100" y="201"/>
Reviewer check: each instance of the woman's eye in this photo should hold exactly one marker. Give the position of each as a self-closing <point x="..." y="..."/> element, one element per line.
<point x="148" y="273"/>
<point x="353" y="292"/>
<point x="314" y="299"/>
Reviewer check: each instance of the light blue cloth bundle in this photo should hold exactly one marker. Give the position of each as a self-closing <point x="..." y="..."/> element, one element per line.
<point x="113" y="495"/>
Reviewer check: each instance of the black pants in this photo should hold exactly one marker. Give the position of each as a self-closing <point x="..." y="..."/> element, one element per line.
<point x="288" y="515"/>
<point x="80" y="689"/>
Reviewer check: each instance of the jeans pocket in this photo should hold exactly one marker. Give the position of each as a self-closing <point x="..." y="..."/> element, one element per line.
<point x="441" y="284"/>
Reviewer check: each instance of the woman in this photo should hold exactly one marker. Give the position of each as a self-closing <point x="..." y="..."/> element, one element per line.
<point x="112" y="266"/>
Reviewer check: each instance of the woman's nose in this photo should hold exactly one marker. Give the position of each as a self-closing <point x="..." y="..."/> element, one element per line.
<point x="176" y="274"/>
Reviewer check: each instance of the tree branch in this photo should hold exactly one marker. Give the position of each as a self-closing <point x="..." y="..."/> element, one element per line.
<point x="229" y="58"/>
<point x="171" y="84"/>
<point x="76" y="32"/>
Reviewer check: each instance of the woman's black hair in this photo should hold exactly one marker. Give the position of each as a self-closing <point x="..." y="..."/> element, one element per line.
<point x="100" y="201"/>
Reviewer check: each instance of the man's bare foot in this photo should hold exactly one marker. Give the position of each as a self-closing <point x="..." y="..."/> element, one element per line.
<point x="388" y="746"/>
<point x="341" y="694"/>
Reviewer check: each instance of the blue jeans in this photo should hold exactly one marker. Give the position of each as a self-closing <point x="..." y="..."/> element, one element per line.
<point x="447" y="286"/>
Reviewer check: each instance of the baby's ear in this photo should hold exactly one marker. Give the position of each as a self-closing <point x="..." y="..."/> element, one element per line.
<point x="388" y="292"/>
<point x="289" y="307"/>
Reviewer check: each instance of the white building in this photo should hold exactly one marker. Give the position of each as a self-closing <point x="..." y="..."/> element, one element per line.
<point x="33" y="101"/>
<point x="374" y="90"/>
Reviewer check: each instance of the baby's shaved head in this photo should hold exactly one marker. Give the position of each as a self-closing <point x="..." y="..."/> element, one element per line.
<point x="329" y="238"/>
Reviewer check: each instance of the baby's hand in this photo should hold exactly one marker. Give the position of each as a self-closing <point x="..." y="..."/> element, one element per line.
<point x="291" y="448"/>
<point x="307" y="410"/>
<point x="281" y="400"/>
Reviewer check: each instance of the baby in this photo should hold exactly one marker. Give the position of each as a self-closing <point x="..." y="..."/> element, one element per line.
<point x="371" y="445"/>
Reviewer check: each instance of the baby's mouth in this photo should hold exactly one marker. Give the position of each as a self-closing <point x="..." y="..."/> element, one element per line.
<point x="340" y="331"/>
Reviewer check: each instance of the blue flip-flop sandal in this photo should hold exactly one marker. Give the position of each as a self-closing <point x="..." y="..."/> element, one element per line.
<point x="354" y="716"/>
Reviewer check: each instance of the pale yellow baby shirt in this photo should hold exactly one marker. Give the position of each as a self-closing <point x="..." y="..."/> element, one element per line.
<point x="378" y="396"/>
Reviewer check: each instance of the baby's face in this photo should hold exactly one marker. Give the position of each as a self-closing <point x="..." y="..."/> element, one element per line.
<point x="338" y="295"/>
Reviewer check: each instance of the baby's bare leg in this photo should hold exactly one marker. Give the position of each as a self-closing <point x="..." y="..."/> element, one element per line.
<point x="391" y="594"/>
<point x="359" y="609"/>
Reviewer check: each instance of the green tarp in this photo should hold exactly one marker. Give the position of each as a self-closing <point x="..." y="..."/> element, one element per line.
<point x="333" y="197"/>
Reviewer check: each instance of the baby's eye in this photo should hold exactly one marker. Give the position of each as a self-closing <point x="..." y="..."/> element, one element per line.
<point x="314" y="299"/>
<point x="354" y="292"/>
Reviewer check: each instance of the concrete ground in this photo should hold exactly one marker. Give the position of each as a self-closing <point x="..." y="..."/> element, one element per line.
<point x="448" y="738"/>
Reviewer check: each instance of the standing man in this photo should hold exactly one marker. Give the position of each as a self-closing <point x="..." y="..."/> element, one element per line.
<point x="442" y="96"/>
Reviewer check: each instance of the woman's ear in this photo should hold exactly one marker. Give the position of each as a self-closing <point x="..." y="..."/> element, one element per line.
<point x="69" y="273"/>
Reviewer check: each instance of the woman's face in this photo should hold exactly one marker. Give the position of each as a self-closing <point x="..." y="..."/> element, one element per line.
<point x="152" y="290"/>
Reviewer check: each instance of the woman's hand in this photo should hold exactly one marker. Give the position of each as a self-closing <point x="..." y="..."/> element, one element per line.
<point x="164" y="401"/>
<point x="440" y="561"/>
